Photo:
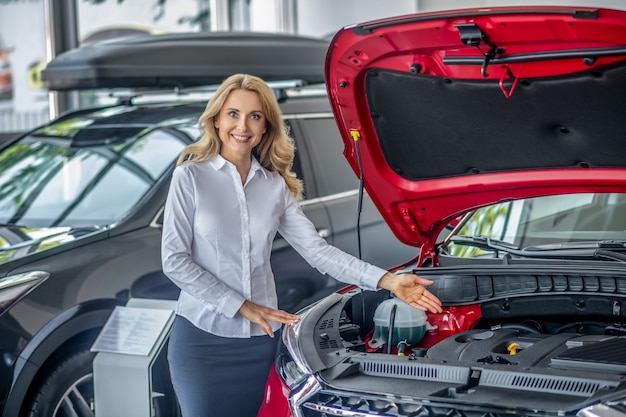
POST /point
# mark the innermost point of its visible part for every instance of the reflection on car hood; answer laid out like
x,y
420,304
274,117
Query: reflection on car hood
x,y
450,111
17,242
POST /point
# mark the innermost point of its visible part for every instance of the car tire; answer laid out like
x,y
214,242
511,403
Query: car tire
x,y
69,385
68,390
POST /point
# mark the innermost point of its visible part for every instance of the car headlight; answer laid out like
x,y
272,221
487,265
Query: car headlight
x,y
13,287
290,364
614,409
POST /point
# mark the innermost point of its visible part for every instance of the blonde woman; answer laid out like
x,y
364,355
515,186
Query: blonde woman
x,y
231,192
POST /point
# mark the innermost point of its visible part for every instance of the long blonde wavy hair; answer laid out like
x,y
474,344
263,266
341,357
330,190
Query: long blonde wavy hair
x,y
275,151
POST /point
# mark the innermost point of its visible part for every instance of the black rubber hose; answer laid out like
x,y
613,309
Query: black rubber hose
x,y
520,326
392,323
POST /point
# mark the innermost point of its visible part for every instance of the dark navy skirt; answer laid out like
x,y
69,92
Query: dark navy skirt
x,y
217,376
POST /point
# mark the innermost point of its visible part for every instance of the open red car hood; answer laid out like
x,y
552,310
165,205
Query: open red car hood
x,y
459,109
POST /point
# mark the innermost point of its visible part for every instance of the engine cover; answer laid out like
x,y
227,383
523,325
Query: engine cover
x,y
520,348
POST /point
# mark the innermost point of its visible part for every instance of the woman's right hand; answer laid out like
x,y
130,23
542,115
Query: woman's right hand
x,y
411,289
263,315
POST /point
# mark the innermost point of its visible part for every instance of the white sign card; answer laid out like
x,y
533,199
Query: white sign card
x,y
132,330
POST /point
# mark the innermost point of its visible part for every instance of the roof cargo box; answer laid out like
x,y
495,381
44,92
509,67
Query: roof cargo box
x,y
186,60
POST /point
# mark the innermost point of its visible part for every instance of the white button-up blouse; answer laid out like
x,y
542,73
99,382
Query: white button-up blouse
x,y
217,241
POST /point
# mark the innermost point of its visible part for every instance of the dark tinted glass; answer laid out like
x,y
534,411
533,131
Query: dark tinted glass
x,y
45,181
547,220
333,174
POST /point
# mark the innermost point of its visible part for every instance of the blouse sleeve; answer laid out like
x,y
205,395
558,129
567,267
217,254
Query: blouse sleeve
x,y
301,234
176,250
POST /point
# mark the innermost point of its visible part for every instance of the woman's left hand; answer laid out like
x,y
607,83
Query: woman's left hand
x,y
262,316
411,289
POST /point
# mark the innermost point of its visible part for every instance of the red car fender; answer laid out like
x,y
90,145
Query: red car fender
x,y
275,402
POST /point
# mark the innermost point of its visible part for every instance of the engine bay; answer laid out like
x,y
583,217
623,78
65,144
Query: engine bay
x,y
549,362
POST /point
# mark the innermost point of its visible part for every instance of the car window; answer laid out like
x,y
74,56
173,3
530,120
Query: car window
x,y
62,185
323,141
154,153
45,181
297,164
546,220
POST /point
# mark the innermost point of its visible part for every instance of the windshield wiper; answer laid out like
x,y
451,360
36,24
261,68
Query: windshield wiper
x,y
599,249
13,225
486,243
592,244
603,249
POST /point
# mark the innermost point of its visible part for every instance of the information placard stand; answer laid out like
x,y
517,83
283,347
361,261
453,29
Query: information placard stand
x,y
127,347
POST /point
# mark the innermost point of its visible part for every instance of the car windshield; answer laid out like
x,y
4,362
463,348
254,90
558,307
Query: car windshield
x,y
70,174
541,224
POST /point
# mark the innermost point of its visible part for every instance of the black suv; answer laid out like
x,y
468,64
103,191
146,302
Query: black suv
x,y
81,203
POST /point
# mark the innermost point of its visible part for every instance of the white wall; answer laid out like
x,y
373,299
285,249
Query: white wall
x,y
133,13
324,17
22,28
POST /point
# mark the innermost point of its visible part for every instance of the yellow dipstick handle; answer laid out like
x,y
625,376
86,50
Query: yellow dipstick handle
x,y
512,348
355,134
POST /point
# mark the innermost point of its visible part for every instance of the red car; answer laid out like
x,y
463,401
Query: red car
x,y
493,141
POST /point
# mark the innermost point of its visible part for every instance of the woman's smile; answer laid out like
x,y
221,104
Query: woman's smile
x,y
241,138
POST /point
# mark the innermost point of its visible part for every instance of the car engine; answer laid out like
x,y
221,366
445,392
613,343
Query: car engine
x,y
536,366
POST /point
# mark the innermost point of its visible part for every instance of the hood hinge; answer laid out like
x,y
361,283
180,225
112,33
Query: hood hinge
x,y
409,220
427,251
